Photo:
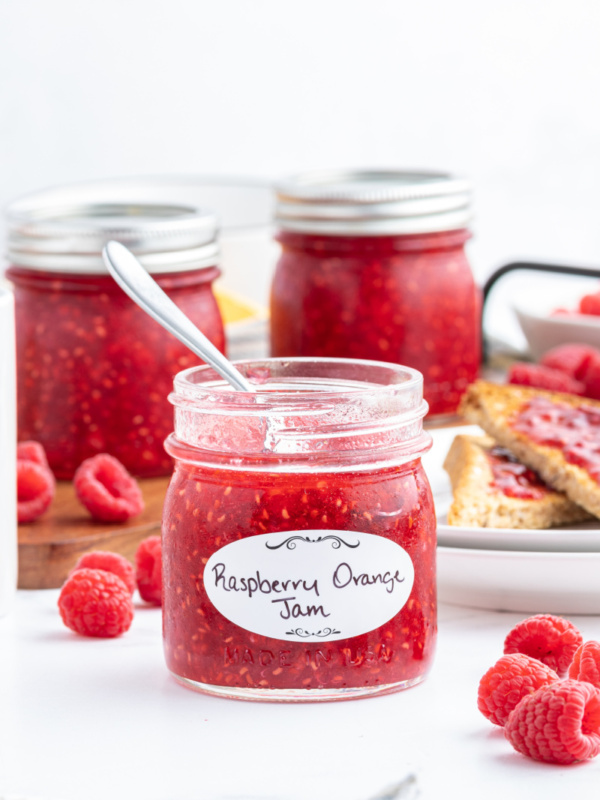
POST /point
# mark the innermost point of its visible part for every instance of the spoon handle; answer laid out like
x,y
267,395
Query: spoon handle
x,y
143,290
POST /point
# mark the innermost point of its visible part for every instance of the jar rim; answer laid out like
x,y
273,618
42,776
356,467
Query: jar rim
x,y
260,371
311,412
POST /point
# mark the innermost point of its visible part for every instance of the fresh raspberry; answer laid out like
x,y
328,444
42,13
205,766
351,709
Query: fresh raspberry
x,y
107,490
32,451
559,723
35,490
111,562
148,570
94,602
507,682
590,304
552,640
591,376
572,359
542,377
586,664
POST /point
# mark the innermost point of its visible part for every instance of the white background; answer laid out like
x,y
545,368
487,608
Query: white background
x,y
507,93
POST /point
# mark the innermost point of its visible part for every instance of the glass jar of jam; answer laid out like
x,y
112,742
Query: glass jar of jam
x,y
373,266
93,369
299,532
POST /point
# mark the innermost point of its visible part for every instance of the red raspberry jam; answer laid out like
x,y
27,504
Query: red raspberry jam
x,y
93,369
298,535
574,430
367,272
513,478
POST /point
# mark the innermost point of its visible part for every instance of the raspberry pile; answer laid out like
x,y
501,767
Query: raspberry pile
x,y
571,368
102,484
545,715
96,599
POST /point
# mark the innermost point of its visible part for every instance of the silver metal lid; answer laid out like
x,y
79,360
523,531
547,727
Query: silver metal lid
x,y
373,202
64,230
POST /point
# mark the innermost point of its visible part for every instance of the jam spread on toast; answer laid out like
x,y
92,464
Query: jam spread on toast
x,y
574,430
513,478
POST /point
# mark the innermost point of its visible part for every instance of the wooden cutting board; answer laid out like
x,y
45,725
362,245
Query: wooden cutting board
x,y
50,546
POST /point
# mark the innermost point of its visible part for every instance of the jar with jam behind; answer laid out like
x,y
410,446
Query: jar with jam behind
x,y
93,369
373,266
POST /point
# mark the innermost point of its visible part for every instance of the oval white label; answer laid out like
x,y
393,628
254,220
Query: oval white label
x,y
310,585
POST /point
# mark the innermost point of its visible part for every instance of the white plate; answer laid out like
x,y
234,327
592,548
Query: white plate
x,y
532,583
584,537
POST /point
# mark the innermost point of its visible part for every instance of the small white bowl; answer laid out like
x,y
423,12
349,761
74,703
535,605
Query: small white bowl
x,y
545,331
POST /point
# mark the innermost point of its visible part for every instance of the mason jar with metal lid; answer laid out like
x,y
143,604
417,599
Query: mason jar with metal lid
x,y
373,266
93,370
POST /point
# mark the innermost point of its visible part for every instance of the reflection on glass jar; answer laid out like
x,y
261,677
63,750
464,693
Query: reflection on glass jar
x,y
299,532
373,266
93,370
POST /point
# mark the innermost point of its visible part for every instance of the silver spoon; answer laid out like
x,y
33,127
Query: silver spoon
x,y
143,290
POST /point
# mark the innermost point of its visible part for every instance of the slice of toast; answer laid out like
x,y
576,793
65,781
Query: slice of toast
x,y
496,409
479,501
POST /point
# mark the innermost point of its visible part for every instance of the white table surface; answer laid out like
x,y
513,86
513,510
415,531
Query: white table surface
x,y
84,719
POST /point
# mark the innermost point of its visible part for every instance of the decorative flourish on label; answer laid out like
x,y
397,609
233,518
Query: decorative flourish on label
x,y
290,542
305,634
